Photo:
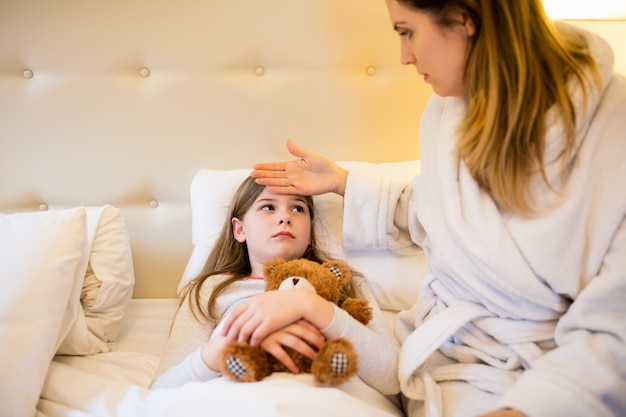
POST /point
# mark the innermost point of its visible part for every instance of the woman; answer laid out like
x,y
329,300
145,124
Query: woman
x,y
519,206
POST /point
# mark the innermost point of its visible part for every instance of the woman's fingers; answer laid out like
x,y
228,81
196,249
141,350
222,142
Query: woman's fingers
x,y
295,150
269,170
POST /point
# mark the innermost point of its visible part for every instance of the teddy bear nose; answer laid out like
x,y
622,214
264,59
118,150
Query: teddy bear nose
x,y
295,281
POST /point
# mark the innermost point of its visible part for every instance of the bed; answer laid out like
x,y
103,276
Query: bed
x,y
124,128
78,343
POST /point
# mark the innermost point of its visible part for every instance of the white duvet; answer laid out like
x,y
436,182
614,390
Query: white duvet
x,y
114,385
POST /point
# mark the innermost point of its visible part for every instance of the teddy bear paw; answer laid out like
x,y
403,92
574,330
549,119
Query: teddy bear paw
x,y
235,367
243,363
335,363
339,363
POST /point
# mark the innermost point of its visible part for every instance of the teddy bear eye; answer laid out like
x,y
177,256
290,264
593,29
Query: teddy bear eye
x,y
335,271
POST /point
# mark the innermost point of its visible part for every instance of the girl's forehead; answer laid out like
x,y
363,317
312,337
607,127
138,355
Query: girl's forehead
x,y
267,195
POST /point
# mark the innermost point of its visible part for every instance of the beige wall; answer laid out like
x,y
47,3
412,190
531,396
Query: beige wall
x,y
121,102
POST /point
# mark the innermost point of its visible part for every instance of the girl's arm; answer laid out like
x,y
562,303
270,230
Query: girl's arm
x,y
378,350
183,360
255,319
375,344
193,343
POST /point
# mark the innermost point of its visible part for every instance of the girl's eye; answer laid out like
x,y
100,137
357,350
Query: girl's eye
x,y
267,207
299,209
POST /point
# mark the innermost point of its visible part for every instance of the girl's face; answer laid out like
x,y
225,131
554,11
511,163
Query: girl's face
x,y
275,226
439,53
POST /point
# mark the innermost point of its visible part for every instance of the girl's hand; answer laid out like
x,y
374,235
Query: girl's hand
x,y
311,174
256,318
211,351
298,336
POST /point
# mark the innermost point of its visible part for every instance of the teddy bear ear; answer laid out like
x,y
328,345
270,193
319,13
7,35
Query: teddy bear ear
x,y
336,271
339,269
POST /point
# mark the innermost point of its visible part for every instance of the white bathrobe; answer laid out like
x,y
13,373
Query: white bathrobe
x,y
521,312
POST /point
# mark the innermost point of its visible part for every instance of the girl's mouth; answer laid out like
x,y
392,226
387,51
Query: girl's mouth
x,y
283,234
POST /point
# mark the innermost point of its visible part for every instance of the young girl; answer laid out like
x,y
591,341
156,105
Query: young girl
x,y
519,205
261,226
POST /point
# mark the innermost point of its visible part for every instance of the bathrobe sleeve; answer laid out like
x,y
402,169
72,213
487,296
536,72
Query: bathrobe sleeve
x,y
376,214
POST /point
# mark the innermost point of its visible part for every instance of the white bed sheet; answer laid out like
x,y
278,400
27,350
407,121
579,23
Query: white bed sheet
x,y
114,384
146,325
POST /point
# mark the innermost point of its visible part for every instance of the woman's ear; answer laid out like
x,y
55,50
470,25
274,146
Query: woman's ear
x,y
238,232
468,24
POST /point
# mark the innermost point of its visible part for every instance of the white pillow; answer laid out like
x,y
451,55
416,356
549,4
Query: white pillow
x,y
43,257
395,278
107,286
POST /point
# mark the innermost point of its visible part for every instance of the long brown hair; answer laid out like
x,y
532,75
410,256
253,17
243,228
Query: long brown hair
x,y
519,67
230,257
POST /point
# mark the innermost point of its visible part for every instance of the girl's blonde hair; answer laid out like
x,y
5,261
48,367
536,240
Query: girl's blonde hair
x,y
229,257
518,68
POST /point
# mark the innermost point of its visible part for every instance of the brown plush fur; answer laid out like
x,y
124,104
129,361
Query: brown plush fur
x,y
327,279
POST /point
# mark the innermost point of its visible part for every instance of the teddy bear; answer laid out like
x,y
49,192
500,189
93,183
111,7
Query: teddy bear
x,y
336,361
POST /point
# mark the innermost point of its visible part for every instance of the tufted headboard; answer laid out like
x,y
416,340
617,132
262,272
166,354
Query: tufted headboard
x,y
123,101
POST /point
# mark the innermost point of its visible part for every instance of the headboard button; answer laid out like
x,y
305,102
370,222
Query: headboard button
x,y
28,73
144,72
43,207
259,71
154,203
371,70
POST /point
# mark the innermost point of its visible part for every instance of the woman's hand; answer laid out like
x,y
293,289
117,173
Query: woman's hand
x,y
301,336
311,174
256,318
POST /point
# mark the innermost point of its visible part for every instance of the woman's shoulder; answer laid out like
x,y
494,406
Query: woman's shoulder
x,y
438,106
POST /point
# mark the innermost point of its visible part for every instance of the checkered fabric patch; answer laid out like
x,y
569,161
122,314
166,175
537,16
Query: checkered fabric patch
x,y
339,363
235,367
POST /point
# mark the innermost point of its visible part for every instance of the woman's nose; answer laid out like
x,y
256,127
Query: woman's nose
x,y
406,56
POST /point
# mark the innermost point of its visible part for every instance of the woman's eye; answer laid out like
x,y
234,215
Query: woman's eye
x,y
403,32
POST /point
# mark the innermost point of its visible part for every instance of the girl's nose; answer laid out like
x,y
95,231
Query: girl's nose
x,y
285,218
